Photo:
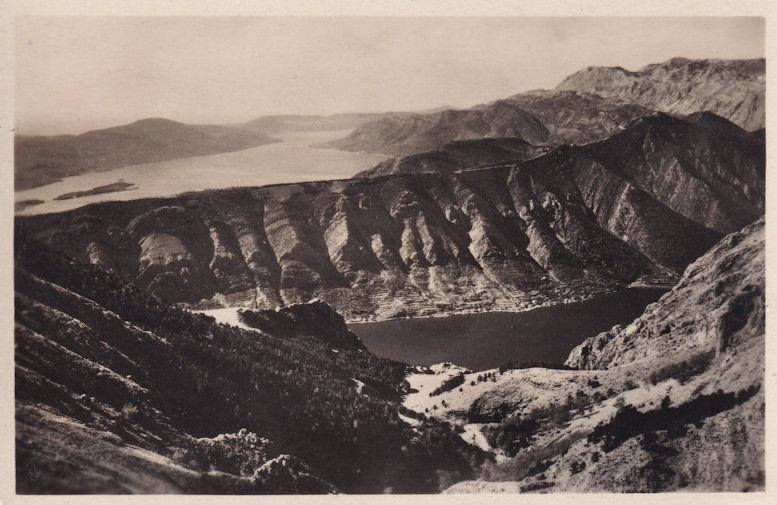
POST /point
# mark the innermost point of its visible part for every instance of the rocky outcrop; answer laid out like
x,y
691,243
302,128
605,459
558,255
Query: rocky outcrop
x,y
314,319
733,89
575,221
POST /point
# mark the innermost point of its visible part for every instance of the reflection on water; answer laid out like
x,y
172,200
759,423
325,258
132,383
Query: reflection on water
x,y
293,160
483,341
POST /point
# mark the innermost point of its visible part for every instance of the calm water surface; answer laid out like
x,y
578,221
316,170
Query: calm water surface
x,y
483,341
293,160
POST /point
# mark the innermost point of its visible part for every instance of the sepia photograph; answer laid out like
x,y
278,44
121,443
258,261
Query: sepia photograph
x,y
334,254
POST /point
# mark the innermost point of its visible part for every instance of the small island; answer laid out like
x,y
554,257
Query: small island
x,y
107,188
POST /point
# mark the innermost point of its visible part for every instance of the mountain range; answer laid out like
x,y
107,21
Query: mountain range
x,y
119,393
587,106
734,89
639,206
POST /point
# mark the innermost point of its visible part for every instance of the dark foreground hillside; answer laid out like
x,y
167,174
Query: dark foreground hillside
x,y
119,393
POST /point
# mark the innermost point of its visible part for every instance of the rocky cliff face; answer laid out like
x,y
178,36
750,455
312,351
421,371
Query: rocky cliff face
x,y
574,222
734,89
727,282
672,401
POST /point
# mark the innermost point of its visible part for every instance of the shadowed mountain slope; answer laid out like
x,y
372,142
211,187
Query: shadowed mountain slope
x,y
119,393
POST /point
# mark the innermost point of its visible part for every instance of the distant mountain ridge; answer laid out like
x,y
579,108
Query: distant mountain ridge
x,y
286,123
587,106
43,160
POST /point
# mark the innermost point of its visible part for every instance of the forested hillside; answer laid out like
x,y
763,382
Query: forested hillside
x,y
173,401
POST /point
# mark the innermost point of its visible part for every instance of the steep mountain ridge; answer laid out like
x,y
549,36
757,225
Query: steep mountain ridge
x,y
734,89
43,160
572,223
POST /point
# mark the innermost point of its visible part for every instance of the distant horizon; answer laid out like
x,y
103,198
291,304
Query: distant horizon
x,y
234,70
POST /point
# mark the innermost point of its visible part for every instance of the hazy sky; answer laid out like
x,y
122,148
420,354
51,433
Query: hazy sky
x,y
79,73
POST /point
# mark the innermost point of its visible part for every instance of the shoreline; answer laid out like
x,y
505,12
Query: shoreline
x,y
462,312
664,287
